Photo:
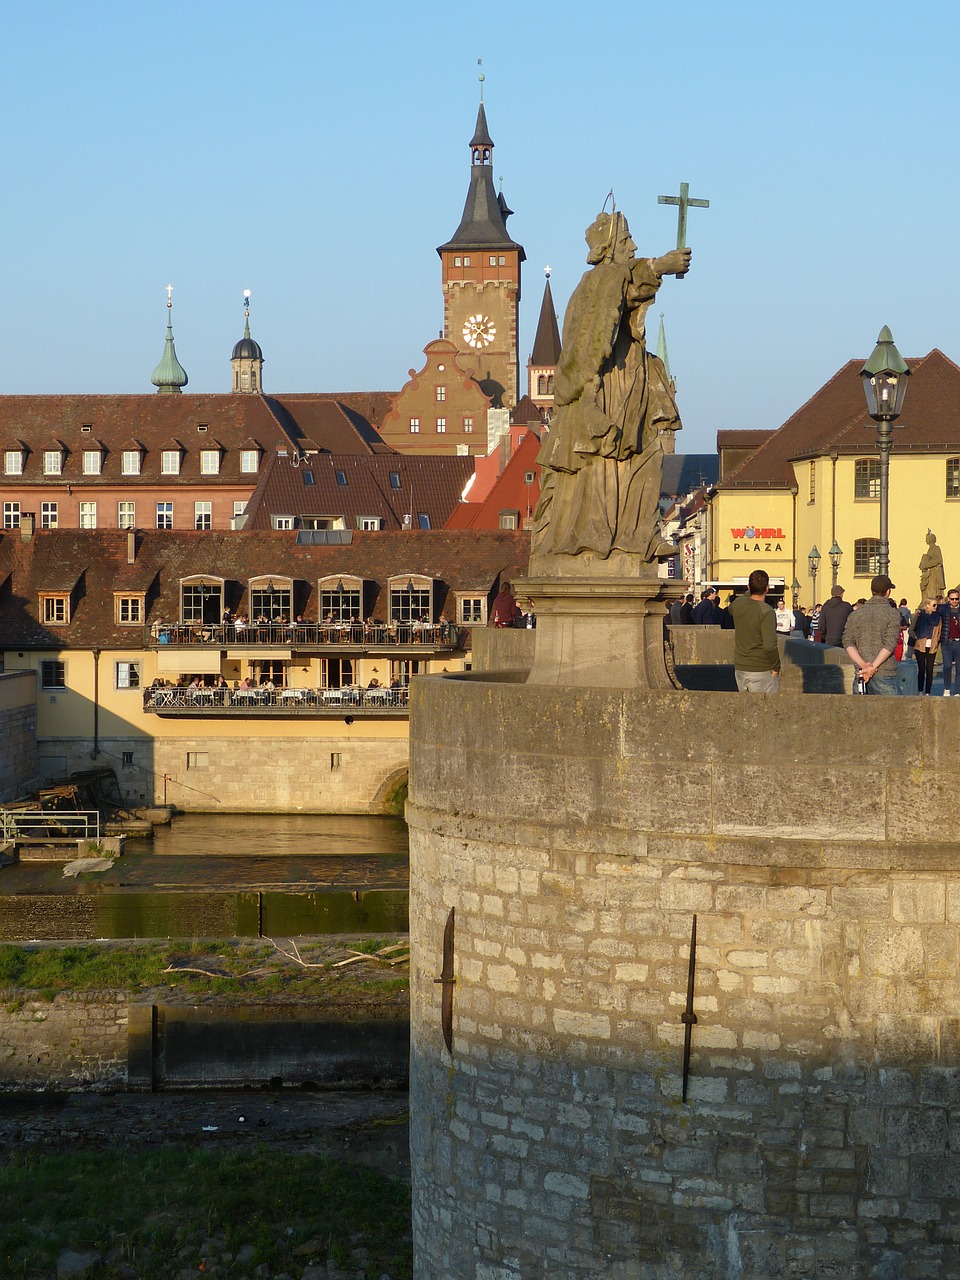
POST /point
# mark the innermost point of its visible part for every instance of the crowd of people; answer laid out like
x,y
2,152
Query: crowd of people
x,y
877,633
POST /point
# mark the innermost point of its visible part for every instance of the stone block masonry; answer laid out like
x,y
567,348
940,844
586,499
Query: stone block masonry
x,y
206,773
101,1042
19,760
576,833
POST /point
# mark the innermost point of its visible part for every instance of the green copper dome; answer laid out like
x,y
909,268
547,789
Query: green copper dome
x,y
169,375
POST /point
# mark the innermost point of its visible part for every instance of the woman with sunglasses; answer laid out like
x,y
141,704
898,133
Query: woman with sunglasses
x,y
927,626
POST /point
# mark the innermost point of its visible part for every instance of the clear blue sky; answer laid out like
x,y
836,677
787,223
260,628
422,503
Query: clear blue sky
x,y
317,154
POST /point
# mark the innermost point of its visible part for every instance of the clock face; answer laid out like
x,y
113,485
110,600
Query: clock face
x,y
479,331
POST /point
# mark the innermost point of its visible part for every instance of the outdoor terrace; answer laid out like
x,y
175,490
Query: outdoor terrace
x,y
170,701
305,636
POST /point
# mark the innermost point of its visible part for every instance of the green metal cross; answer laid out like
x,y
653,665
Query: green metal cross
x,y
684,201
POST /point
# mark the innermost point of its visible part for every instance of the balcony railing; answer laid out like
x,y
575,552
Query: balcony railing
x,y
312,702
304,635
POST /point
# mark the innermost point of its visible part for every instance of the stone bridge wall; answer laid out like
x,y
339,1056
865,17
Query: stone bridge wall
x,y
577,834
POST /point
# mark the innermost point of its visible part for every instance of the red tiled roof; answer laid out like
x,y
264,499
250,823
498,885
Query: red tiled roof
x,y
93,565
153,423
510,492
372,405
190,423
427,485
742,438
836,418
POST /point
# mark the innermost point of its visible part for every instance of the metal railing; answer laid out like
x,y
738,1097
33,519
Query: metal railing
x,y
49,824
300,635
259,699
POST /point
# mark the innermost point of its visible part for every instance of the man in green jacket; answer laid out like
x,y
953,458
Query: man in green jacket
x,y
756,655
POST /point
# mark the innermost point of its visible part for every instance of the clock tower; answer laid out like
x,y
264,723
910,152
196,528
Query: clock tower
x,y
481,280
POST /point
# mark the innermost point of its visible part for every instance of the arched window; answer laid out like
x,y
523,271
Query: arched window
x,y
866,557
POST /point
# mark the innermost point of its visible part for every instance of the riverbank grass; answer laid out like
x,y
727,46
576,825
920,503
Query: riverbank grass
x,y
154,1214
312,969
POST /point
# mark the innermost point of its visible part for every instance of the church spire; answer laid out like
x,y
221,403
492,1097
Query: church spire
x,y
542,365
247,358
662,353
546,345
668,437
169,377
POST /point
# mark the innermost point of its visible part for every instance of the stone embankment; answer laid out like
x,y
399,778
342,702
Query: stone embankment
x,y
101,1041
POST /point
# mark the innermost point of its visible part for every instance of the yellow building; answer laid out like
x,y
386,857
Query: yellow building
x,y
246,671
815,483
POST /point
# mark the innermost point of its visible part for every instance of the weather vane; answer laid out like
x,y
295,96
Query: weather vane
x,y
481,77
246,303
169,296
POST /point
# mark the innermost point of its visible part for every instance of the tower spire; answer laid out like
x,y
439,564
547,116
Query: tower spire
x,y
169,377
542,365
247,358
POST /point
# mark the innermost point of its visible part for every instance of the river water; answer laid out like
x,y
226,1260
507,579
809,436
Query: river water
x,y
233,874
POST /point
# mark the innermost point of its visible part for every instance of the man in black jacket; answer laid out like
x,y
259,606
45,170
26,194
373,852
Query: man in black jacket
x,y
833,618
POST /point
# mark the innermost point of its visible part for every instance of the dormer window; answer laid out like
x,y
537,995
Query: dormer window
x,y
341,599
92,462
209,462
53,462
13,462
271,598
55,608
411,599
170,462
130,462
128,609
249,461
201,599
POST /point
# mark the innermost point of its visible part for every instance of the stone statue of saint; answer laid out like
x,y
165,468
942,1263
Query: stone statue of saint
x,y
932,580
602,460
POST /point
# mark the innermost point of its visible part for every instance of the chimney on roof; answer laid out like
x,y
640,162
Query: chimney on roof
x,y
27,522
131,546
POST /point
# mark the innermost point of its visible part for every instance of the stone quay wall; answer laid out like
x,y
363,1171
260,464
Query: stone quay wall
x,y
203,773
69,1043
19,764
100,1041
577,833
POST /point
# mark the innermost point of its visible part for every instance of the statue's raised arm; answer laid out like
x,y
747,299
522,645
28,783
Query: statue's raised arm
x,y
602,460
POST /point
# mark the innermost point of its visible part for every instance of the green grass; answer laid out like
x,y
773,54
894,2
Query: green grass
x,y
251,970
173,1208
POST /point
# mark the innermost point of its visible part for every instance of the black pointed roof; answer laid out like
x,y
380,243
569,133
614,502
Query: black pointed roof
x,y
481,135
483,223
546,345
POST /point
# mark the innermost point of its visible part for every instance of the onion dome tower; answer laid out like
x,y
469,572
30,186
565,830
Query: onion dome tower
x,y
247,358
169,377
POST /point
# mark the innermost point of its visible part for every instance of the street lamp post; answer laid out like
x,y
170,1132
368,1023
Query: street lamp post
x,y
836,555
795,588
885,385
813,564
